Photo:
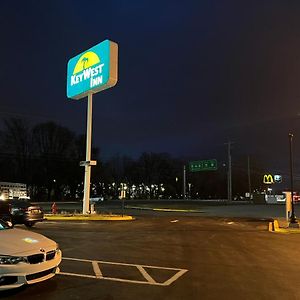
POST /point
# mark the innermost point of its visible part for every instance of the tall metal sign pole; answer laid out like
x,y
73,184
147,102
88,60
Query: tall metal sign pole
x,y
87,171
202,165
89,72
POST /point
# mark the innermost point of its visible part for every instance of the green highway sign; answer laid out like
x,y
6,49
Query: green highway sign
x,y
203,165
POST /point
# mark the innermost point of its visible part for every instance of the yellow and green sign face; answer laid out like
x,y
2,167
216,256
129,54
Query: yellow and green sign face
x,y
92,71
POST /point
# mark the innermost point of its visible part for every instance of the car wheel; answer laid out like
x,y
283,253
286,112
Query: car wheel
x,y
29,224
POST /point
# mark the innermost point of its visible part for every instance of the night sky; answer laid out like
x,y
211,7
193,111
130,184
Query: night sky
x,y
192,74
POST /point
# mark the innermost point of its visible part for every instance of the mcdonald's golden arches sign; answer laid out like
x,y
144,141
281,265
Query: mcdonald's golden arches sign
x,y
268,179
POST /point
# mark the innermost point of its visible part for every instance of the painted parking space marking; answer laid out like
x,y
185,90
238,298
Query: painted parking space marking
x,y
145,274
97,270
165,209
176,273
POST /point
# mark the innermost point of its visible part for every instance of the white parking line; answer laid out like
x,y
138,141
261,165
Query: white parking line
x,y
77,275
97,270
145,274
175,277
141,268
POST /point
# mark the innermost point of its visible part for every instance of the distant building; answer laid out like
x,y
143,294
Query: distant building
x,y
10,190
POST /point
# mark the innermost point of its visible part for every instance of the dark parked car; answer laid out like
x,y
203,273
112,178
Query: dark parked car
x,y
23,212
5,211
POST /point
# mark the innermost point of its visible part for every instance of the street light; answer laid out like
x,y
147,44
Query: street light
x,y
293,219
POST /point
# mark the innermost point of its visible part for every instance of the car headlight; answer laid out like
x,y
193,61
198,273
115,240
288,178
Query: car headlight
x,y
11,260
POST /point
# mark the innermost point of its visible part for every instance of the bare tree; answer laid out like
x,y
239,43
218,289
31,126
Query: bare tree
x,y
17,145
54,146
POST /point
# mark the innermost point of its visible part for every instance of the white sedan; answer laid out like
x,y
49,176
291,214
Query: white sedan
x,y
26,257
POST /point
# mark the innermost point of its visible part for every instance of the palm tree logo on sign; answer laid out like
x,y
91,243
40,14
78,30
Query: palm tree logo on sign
x,y
87,60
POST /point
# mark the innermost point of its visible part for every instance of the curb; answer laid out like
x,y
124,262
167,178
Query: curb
x,y
88,218
274,227
271,226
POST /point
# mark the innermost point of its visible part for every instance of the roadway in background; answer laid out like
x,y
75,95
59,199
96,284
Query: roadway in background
x,y
179,207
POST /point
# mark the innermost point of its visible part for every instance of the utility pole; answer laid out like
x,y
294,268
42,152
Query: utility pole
x,y
293,220
184,182
229,177
249,178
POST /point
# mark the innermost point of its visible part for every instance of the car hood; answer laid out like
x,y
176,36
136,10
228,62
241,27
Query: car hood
x,y
23,242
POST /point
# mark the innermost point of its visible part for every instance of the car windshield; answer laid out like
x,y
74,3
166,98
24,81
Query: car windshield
x,y
4,226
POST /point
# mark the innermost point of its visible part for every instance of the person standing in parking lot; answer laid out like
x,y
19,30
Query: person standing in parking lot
x,y
54,208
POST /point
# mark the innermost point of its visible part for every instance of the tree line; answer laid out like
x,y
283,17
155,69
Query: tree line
x,y
46,157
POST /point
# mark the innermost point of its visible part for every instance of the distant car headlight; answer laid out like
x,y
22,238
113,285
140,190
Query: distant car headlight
x,y
11,260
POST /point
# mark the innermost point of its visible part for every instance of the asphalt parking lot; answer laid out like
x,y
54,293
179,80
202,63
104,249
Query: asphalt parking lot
x,y
169,258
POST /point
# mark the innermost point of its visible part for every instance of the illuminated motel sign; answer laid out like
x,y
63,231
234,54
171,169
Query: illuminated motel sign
x,y
89,72
93,70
